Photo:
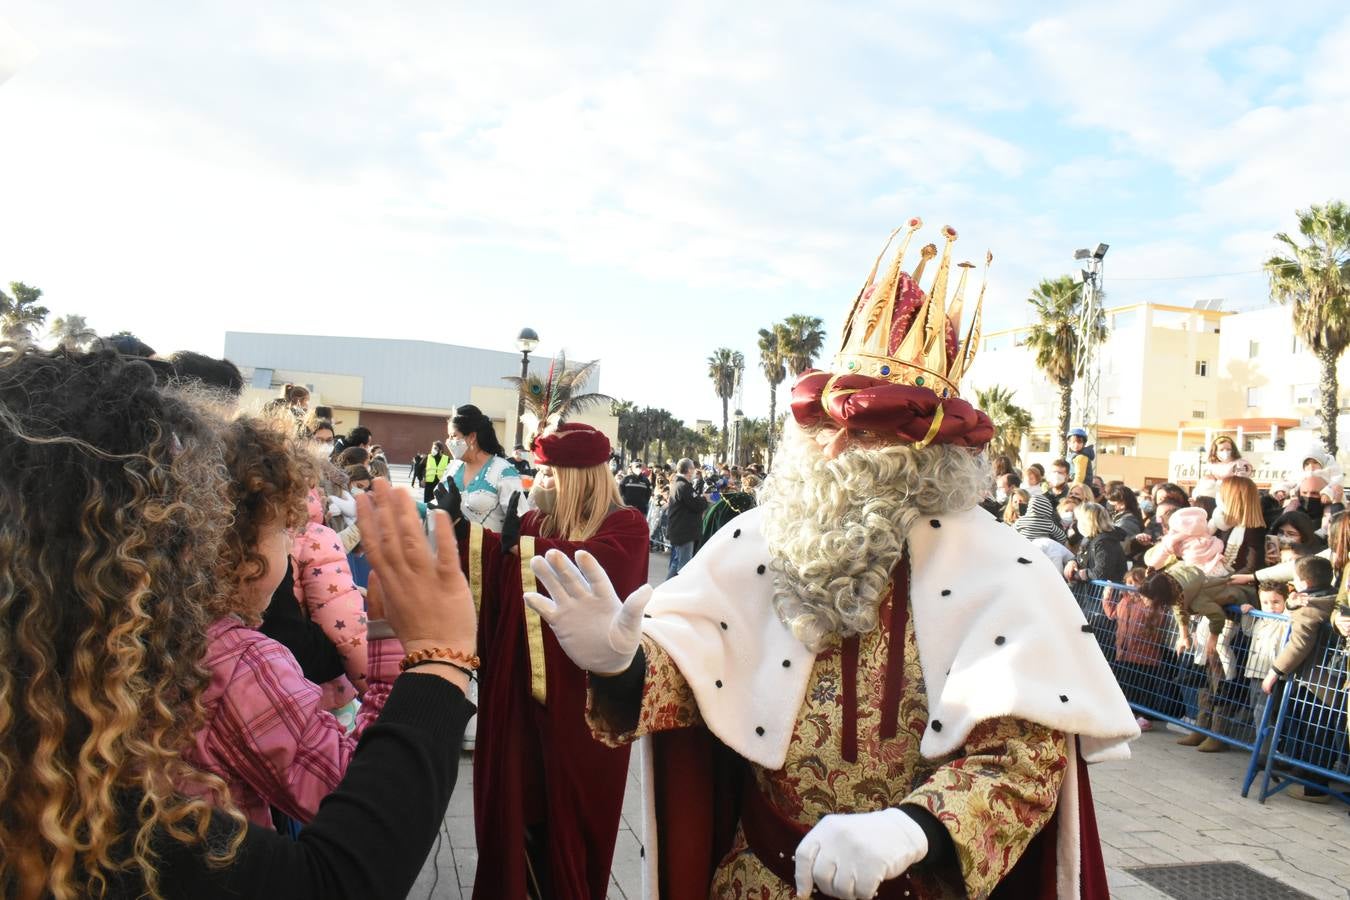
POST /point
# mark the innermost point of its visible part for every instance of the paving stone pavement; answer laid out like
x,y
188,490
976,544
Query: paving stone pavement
x,y
1167,804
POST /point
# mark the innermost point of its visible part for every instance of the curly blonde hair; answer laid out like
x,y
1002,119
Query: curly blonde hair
x,y
111,501
269,478
836,528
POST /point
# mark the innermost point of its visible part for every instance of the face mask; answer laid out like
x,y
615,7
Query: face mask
x,y
544,496
1056,479
1312,507
1146,507
458,447
1225,454
1001,496
1066,518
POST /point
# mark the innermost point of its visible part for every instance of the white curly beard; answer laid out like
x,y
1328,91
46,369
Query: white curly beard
x,y
836,528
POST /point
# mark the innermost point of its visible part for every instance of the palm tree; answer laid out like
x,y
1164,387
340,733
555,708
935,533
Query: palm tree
x,y
20,314
724,368
548,402
1314,279
690,443
805,338
72,332
753,441
626,412
1011,421
772,360
1055,339
711,437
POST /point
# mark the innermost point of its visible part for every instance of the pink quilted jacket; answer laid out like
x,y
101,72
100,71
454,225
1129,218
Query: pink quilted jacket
x,y
324,588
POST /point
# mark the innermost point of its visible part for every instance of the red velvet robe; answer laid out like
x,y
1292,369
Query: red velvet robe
x,y
536,762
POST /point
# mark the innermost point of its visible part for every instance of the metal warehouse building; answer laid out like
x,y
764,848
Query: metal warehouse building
x,y
403,391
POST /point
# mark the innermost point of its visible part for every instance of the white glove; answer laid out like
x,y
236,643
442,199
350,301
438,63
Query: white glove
x,y
850,855
598,632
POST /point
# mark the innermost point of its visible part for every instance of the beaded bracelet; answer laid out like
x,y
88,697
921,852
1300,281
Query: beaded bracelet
x,y
443,662
441,653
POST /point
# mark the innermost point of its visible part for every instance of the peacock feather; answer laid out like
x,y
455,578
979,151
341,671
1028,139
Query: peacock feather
x,y
550,401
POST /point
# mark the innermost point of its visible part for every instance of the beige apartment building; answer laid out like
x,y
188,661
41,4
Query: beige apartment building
x,y
1173,378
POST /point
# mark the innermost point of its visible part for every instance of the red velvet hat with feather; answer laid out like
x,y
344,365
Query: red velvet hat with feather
x,y
896,376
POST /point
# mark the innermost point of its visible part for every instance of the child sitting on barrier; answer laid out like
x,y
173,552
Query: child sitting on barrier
x,y
1141,636
1315,729
1265,635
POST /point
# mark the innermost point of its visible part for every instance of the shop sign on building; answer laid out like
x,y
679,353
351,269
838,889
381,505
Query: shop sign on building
x,y
1185,467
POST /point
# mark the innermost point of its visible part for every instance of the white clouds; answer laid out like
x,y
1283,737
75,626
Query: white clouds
x,y
16,50
314,166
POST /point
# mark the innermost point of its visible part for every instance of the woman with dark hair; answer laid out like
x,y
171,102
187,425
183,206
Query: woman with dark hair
x,y
1167,492
1294,526
110,576
1125,514
480,470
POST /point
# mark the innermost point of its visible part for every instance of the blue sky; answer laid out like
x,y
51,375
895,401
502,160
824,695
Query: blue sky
x,y
641,184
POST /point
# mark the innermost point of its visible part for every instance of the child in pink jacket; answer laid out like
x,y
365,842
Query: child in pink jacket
x,y
325,590
268,732
1189,539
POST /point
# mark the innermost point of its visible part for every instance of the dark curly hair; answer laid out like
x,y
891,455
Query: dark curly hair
x,y
112,498
268,482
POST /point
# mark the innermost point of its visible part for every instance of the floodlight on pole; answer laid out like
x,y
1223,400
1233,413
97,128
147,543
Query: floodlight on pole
x,y
1087,363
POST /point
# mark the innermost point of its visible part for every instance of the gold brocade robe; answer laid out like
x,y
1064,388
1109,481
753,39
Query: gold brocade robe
x,y
992,797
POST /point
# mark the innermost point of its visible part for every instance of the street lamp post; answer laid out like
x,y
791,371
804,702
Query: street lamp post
x,y
736,445
526,341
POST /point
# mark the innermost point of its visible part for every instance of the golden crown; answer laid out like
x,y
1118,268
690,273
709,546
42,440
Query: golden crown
x,y
898,332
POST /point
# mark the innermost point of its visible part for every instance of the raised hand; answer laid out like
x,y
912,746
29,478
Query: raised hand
x,y
446,496
425,597
596,630
850,855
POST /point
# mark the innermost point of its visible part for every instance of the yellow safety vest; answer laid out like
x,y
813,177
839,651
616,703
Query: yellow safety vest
x,y
436,471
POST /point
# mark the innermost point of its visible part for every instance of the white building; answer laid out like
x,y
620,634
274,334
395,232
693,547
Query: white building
x,y
1173,378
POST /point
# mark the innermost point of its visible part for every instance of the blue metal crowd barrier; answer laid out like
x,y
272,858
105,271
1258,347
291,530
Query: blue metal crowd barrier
x,y
1222,697
1309,735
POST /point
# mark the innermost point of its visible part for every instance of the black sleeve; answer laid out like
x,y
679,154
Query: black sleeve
x,y
372,835
941,850
618,698
285,623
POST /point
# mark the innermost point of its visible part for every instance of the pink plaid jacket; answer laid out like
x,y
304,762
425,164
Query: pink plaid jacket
x,y
268,733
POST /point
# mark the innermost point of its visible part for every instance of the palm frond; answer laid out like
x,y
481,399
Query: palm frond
x,y
551,400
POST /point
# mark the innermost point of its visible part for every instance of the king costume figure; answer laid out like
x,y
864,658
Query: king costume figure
x,y
866,686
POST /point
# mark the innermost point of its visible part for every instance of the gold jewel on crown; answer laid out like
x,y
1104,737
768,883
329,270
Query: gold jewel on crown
x,y
898,332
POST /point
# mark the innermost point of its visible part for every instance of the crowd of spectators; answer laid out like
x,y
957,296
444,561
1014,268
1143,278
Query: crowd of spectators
x,y
1202,559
